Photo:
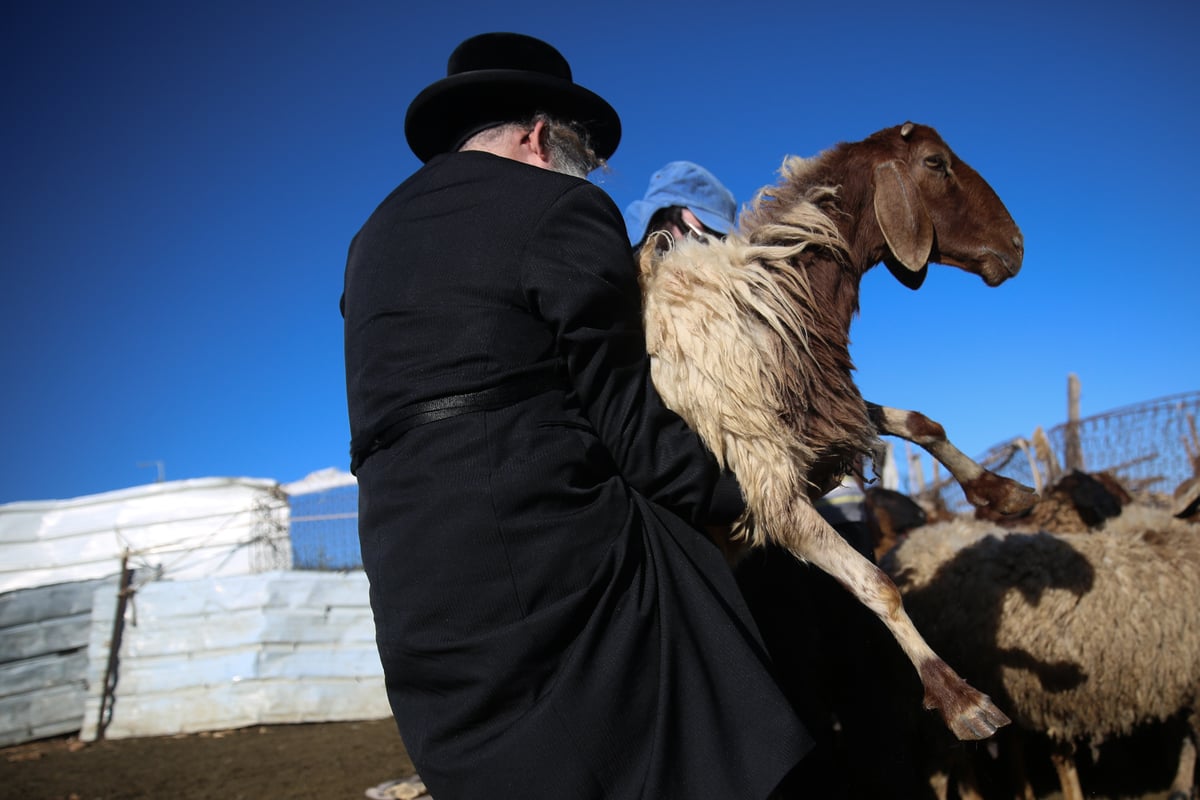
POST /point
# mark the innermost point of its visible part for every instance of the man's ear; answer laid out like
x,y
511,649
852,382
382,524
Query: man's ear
x,y
535,143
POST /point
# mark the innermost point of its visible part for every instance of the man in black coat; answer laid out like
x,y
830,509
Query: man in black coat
x,y
551,620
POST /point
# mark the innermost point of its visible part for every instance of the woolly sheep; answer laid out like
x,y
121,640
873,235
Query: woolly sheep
x,y
1082,636
749,338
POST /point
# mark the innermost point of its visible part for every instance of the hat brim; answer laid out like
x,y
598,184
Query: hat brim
x,y
445,111
712,220
639,213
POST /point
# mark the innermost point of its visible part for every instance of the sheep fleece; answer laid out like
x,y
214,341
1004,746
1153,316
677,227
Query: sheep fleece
x,y
1073,634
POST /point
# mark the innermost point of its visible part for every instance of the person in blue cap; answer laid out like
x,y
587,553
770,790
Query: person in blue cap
x,y
683,199
551,620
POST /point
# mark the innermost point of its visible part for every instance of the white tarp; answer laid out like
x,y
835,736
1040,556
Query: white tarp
x,y
319,481
231,652
218,633
182,529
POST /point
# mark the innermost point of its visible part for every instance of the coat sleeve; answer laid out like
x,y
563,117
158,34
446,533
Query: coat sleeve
x,y
580,278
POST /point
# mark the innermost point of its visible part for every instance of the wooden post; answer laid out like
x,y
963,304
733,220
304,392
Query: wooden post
x,y
916,473
108,690
1072,449
1045,454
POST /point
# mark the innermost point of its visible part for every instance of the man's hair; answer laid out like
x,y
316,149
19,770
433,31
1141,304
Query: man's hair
x,y
567,143
570,147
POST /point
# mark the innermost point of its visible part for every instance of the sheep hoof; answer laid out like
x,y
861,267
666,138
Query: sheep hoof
x,y
968,713
979,722
1000,495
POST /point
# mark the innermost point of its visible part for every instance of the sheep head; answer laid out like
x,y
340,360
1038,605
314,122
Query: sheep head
x,y
932,207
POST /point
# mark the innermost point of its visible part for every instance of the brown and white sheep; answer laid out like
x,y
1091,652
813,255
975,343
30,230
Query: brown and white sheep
x,y
749,343
1075,502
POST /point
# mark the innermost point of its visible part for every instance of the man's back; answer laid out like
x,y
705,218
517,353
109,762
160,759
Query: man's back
x,y
436,299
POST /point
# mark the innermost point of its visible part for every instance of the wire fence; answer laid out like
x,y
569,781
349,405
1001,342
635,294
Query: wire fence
x,y
270,538
1150,447
324,529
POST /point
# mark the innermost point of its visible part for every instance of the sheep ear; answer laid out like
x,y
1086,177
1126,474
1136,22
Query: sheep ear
x,y
902,217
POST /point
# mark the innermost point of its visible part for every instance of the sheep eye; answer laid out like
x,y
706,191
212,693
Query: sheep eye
x,y
937,163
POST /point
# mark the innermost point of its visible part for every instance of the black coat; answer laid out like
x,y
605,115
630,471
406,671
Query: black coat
x,y
551,622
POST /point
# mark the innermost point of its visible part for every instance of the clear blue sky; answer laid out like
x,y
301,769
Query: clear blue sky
x,y
182,181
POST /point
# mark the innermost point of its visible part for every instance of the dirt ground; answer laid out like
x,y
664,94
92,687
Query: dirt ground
x,y
332,761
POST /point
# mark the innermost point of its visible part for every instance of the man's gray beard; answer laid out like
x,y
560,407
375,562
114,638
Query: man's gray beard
x,y
569,154
568,160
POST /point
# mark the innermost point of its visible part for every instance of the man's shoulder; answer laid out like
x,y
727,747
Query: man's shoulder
x,y
472,166
475,183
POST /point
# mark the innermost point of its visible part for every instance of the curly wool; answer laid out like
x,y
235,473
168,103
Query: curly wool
x,y
1081,636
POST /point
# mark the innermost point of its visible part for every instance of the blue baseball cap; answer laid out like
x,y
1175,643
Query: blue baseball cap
x,y
682,183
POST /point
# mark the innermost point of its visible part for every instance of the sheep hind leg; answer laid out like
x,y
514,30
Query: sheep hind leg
x,y
967,712
1068,776
1183,785
982,487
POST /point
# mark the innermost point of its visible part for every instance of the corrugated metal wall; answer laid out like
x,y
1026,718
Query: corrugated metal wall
x,y
272,648
44,634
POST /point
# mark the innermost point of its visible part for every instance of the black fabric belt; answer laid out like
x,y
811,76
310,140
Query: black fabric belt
x,y
403,419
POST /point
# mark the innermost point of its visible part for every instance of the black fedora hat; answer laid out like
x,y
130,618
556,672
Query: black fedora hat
x,y
504,77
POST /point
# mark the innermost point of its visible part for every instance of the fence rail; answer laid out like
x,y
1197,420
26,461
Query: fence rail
x,y
1150,447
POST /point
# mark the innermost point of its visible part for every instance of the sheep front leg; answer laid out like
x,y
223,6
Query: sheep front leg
x,y
982,487
967,712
